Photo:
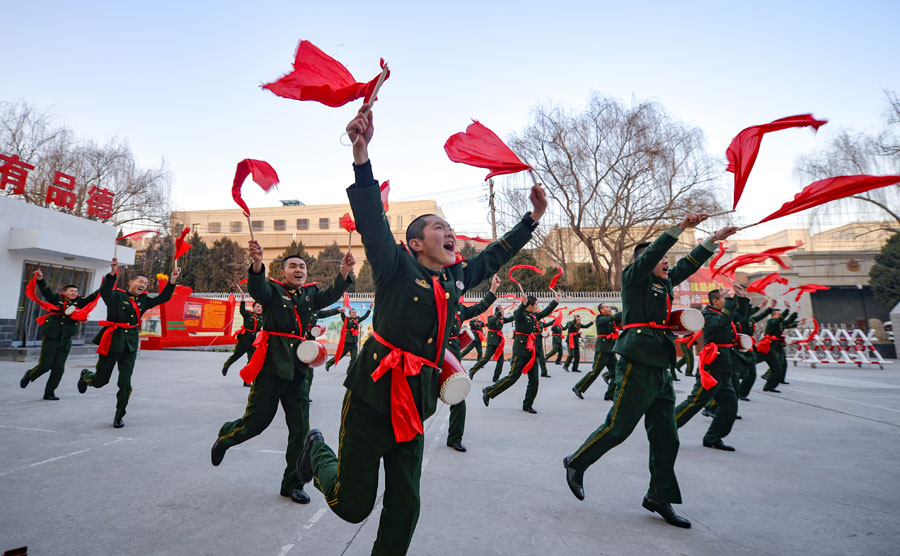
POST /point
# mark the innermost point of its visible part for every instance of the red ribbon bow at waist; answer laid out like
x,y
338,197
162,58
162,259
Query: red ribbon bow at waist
x,y
529,345
613,336
649,325
261,343
106,338
500,347
708,354
572,338
765,345
405,417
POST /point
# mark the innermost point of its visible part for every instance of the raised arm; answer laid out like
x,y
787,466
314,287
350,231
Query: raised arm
x,y
325,313
49,295
760,316
509,319
368,312
243,309
588,325
547,310
466,313
85,299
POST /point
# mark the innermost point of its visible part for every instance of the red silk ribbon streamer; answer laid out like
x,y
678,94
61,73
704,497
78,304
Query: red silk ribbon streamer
x,y
582,309
319,77
480,147
263,174
812,334
106,338
806,288
715,260
744,147
556,277
529,345
526,266
32,295
774,253
759,286
139,235
830,189
261,343
707,355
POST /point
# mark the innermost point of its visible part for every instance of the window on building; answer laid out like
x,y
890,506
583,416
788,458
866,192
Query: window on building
x,y
400,221
280,225
323,223
257,225
235,226
303,223
215,227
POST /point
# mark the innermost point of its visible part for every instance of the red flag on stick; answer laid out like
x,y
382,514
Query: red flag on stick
x,y
759,286
181,246
346,300
830,189
744,147
385,191
319,77
263,174
806,288
480,147
347,223
139,235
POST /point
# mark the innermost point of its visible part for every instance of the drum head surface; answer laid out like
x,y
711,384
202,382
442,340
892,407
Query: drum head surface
x,y
308,351
455,388
692,320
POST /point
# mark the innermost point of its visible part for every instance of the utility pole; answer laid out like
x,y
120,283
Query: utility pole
x,y
493,212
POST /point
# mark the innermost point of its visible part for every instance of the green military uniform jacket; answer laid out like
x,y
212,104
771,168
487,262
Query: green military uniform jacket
x,y
776,327
466,313
573,327
527,324
407,308
648,298
495,328
606,326
120,308
59,324
352,331
718,328
252,322
287,310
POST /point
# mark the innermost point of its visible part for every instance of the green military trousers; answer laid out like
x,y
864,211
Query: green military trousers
x,y
124,360
54,352
476,345
539,358
488,353
531,390
641,391
349,347
556,350
725,398
777,361
749,374
601,360
457,423
262,404
573,358
240,349
349,480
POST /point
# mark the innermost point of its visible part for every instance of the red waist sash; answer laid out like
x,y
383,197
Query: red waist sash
x,y
405,417
708,354
261,343
529,345
106,338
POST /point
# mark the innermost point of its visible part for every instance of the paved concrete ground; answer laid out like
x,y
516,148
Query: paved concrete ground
x,y
817,471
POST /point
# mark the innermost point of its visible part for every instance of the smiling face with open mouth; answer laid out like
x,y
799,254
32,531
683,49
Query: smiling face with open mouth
x,y
293,271
437,247
138,285
662,268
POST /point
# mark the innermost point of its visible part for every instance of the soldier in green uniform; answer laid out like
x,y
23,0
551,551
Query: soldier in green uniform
x,y
57,328
477,328
393,385
748,359
719,334
774,338
288,306
556,331
495,342
539,347
643,383
573,342
458,411
120,337
351,336
606,323
523,353
246,334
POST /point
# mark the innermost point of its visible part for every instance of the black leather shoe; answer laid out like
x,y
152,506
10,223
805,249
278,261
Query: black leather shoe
x,y
296,495
26,378
247,385
118,423
771,390
50,397
689,373
719,445
485,398
738,417
529,410
458,446
82,385
575,479
578,392
224,371
607,398
565,368
676,379
667,512
744,398
217,454
304,464
783,382
545,376
708,412
575,371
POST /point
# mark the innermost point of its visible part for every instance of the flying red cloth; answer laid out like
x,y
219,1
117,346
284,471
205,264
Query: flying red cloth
x,y
181,246
472,238
557,320
806,288
556,277
582,309
715,260
319,77
263,174
812,335
759,286
385,191
528,266
347,223
80,315
346,300
751,258
139,235
830,189
243,281
744,147
481,147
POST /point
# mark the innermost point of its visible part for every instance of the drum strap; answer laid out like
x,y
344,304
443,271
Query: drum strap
x,y
261,343
405,418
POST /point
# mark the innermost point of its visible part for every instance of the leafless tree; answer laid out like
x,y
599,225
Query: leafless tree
x,y
617,175
141,195
852,152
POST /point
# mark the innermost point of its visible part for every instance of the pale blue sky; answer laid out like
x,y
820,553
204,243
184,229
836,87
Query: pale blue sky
x,y
180,81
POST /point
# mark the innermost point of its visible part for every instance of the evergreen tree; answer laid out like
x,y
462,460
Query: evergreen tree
x,y
295,248
228,263
155,259
326,266
884,277
365,282
195,264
